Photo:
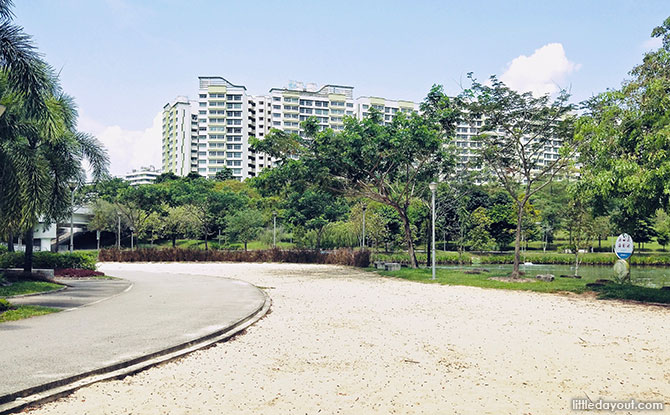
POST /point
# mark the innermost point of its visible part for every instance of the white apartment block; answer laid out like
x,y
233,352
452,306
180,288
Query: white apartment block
x,y
180,135
143,175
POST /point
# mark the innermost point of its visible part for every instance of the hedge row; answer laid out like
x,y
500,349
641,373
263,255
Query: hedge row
x,y
51,260
337,257
452,258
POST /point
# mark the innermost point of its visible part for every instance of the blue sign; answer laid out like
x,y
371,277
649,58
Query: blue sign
x,y
624,245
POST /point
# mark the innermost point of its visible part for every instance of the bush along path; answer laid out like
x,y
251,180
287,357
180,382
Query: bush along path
x,y
357,258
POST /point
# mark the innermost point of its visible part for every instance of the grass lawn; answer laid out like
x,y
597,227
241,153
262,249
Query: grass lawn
x,y
458,277
28,287
26,311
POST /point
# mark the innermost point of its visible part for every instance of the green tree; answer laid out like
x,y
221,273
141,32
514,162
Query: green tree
x,y
313,209
625,152
223,175
581,223
662,227
516,128
244,225
166,177
178,221
40,156
478,236
602,228
26,74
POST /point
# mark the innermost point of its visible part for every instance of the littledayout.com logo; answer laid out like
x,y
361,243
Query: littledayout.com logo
x,y
586,404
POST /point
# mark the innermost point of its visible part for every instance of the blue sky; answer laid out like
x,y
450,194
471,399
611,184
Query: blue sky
x,y
123,60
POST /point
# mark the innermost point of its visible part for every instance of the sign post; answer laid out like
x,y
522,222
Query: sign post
x,y
623,248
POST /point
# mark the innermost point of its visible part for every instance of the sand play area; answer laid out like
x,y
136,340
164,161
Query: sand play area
x,y
344,341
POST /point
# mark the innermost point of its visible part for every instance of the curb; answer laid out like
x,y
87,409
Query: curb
x,y
53,390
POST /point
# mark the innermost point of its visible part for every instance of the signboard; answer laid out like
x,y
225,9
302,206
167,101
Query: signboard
x,y
623,248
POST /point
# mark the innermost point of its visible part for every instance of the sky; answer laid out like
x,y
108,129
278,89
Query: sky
x,y
122,60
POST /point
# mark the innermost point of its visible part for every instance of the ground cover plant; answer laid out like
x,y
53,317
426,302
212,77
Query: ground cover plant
x,y
27,287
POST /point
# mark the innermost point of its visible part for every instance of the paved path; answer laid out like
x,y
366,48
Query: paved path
x,y
158,311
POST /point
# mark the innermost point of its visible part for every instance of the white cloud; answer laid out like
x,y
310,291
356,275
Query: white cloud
x,y
543,72
652,43
127,149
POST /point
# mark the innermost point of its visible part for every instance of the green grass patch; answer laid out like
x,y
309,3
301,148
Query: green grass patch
x,y
483,280
26,311
28,287
458,277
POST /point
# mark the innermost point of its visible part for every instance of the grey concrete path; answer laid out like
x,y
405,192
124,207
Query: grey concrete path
x,y
159,311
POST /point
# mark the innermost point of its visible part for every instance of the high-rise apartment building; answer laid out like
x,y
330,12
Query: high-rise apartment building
x,y
180,136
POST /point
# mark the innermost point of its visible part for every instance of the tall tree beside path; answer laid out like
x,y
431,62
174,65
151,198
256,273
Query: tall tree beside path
x,y
515,130
40,158
626,134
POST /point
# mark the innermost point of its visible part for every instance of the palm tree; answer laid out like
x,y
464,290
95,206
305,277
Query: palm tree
x,y
40,155
27,73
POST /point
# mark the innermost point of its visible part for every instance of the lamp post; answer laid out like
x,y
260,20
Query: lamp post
x,y
118,232
365,207
274,229
73,187
131,238
433,188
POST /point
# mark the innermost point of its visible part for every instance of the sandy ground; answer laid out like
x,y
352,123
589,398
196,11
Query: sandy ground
x,y
342,341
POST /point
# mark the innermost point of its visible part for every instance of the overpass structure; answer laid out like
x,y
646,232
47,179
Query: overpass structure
x,y
51,235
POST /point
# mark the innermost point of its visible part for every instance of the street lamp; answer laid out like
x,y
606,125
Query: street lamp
x,y
433,188
274,229
73,187
118,232
365,207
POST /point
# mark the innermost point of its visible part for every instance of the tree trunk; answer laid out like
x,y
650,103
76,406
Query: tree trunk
x,y
245,246
408,236
174,241
206,246
576,260
517,241
599,246
28,258
10,242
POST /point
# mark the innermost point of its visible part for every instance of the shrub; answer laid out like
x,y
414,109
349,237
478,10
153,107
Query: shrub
x,y
3,249
76,273
298,256
5,305
51,260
